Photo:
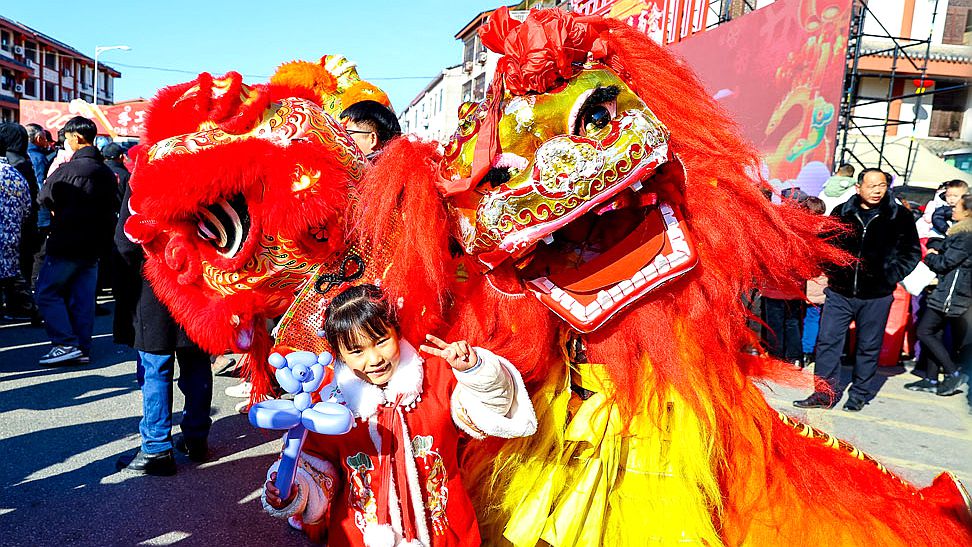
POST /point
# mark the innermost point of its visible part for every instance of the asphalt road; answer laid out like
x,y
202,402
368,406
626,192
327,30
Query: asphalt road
x,y
62,429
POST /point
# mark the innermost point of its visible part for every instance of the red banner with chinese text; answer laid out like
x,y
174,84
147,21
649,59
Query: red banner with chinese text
x,y
117,120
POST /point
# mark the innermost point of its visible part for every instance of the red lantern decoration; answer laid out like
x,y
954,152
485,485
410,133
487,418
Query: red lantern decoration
x,y
922,85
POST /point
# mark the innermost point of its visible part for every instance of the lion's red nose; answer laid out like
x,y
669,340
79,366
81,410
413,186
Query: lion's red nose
x,y
183,258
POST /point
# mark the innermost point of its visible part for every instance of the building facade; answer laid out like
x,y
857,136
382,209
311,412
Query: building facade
x,y
35,66
937,113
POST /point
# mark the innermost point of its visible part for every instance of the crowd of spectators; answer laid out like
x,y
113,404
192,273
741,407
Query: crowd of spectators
x,y
923,258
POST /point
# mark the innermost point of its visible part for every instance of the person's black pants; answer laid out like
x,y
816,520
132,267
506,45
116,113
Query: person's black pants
x,y
784,319
871,317
931,333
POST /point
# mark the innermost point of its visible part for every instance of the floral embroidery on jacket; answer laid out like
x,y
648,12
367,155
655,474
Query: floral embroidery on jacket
x,y
435,485
361,498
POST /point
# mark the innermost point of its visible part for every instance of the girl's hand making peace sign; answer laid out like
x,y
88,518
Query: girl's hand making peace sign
x,y
460,355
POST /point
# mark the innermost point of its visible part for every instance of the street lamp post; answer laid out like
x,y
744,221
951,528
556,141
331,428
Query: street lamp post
x,y
98,51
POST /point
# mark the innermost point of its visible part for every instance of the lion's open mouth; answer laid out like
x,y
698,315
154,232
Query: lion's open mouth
x,y
610,257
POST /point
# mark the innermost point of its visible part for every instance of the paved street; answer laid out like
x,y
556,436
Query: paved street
x,y
61,430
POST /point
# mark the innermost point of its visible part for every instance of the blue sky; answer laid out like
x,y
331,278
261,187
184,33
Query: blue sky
x,y
387,39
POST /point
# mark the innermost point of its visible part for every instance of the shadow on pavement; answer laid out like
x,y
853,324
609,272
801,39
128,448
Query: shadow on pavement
x,y
203,504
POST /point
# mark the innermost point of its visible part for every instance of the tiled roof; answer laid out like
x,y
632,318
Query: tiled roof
x,y
881,47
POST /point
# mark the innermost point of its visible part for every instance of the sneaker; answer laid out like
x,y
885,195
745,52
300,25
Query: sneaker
x,y
160,465
854,405
952,384
196,449
817,400
59,354
925,384
240,391
809,359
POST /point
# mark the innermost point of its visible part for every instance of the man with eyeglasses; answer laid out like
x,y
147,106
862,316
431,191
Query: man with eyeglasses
x,y
371,125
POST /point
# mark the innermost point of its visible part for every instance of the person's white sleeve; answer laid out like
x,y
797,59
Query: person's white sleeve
x,y
491,400
314,482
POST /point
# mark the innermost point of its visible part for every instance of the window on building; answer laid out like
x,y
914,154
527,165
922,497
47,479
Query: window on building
x,y
30,87
479,89
65,95
440,101
50,91
469,49
467,92
88,98
7,80
947,112
6,40
67,66
30,50
957,22
50,59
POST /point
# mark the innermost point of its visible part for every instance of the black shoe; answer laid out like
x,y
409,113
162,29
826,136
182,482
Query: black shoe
x,y
817,400
196,449
161,464
952,384
809,359
854,405
924,384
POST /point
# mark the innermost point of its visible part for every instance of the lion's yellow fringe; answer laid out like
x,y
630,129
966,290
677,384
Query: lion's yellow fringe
x,y
598,482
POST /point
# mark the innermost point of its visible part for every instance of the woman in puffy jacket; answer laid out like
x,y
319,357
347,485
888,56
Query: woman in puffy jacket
x,y
951,300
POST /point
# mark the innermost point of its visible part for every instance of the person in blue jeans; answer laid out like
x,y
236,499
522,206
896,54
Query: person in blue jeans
x,y
83,203
161,343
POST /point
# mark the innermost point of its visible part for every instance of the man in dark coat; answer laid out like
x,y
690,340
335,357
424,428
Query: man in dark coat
x,y
83,204
160,341
882,237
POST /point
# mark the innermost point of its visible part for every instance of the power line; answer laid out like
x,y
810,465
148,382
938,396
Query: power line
x,y
258,76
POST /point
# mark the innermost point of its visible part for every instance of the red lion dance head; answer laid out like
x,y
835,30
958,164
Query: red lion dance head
x,y
240,194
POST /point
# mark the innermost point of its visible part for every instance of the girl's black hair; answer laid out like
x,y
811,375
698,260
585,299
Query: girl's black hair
x,y
356,312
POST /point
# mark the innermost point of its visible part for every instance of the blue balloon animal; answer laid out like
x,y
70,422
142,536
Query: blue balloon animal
x,y
299,373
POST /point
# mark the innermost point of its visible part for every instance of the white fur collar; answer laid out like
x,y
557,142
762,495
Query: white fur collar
x,y
363,398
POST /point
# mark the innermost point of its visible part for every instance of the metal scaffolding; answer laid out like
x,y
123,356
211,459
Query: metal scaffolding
x,y
910,55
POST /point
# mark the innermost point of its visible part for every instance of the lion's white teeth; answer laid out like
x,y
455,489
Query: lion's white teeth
x,y
548,240
636,186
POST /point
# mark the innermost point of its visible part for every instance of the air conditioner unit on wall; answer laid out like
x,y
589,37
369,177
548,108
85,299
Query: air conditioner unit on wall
x,y
19,88
467,66
482,57
18,50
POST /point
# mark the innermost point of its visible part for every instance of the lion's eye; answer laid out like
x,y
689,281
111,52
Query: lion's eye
x,y
594,110
225,224
598,117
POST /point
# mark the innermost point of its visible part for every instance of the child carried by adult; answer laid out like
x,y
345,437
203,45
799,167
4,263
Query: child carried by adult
x,y
394,478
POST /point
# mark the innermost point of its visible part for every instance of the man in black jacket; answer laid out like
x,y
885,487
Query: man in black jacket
x,y
81,195
882,237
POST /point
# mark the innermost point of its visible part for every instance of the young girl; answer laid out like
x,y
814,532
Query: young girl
x,y
394,479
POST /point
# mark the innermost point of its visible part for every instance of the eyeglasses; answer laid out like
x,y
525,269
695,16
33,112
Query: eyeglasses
x,y
357,131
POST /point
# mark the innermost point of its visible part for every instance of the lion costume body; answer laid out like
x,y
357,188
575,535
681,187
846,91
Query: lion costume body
x,y
594,220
